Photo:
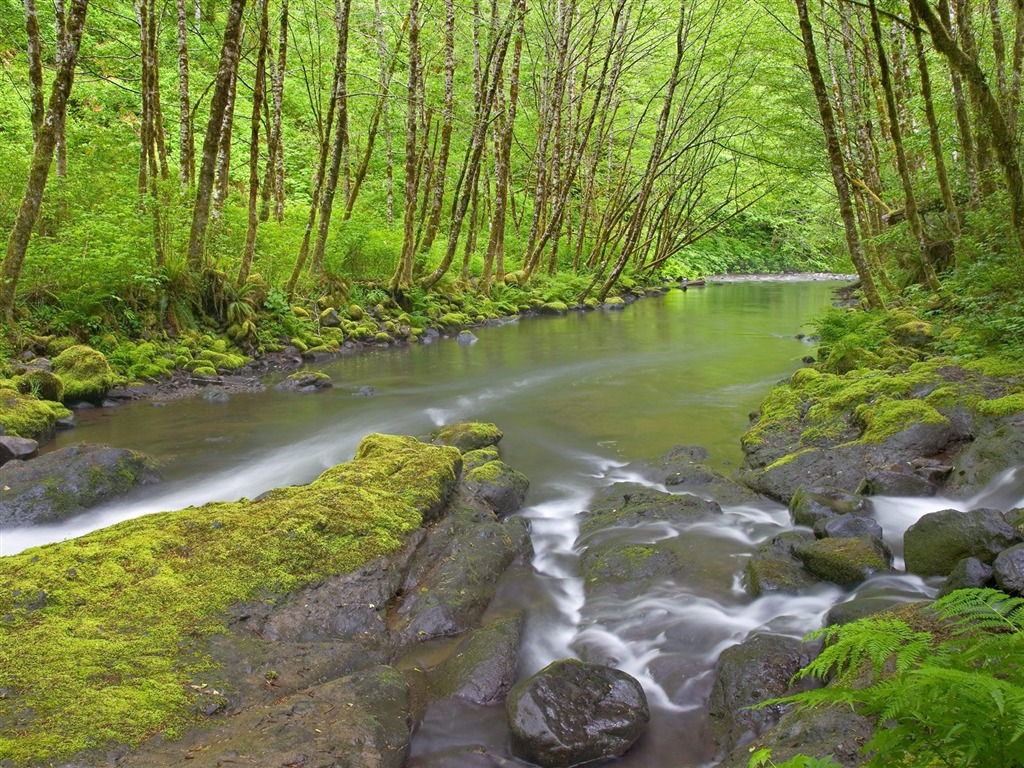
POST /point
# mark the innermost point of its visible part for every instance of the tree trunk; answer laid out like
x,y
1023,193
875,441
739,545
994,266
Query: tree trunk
x,y
836,159
186,143
35,67
229,56
273,186
896,132
258,90
60,24
401,281
963,121
340,140
42,157
222,184
447,118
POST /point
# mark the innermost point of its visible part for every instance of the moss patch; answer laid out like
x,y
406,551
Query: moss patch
x,y
25,416
91,645
467,435
1003,406
85,373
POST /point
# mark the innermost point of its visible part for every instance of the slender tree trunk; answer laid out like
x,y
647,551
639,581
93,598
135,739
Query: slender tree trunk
x,y
447,119
229,56
42,158
952,216
913,216
61,119
35,67
963,121
273,186
982,143
836,159
340,141
258,91
401,281
157,114
389,175
222,184
186,143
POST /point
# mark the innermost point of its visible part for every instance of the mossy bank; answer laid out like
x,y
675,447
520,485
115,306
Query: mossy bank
x,y
94,631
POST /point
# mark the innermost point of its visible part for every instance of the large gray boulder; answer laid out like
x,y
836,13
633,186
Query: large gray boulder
x,y
939,540
572,712
70,480
754,671
986,458
1008,569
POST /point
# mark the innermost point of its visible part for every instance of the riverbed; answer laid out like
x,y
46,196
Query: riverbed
x,y
578,398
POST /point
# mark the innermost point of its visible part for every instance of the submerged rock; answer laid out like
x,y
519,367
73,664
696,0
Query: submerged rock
x,y
627,504
304,382
572,712
685,468
70,480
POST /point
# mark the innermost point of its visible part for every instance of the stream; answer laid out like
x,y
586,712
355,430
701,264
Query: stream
x,y
578,398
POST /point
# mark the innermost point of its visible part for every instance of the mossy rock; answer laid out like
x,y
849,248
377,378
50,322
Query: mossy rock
x,y
615,302
355,312
25,416
41,384
306,381
85,373
205,371
96,629
453,320
483,667
473,459
502,487
846,562
629,504
467,435
223,361
554,308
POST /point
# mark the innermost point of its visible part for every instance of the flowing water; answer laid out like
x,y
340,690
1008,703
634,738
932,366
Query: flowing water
x,y
578,397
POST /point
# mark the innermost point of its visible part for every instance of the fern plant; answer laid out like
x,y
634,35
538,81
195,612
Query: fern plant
x,y
949,697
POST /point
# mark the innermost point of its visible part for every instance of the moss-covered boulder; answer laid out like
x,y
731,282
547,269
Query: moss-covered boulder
x,y
69,481
986,458
773,568
501,486
846,562
628,504
473,459
42,384
467,435
939,540
97,630
609,568
482,668
26,416
304,382
809,506
85,373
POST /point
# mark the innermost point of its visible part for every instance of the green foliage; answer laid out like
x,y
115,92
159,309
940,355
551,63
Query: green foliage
x,y
949,693
762,758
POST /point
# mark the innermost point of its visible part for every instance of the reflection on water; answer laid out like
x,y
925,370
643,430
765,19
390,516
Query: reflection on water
x,y
578,397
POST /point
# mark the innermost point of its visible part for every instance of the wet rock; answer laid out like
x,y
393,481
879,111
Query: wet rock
x,y
629,571
628,504
849,526
454,574
888,482
503,488
747,674
467,435
329,318
17,448
305,382
572,712
1008,569
483,668
774,569
685,468
846,562
466,338
986,458
216,396
859,608
478,458
365,720
364,392
834,732
811,505
935,543
968,573
68,481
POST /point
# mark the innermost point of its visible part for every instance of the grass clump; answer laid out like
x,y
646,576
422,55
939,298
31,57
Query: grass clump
x,y
91,648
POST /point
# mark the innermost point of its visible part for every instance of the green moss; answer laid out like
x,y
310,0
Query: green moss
x,y
453,319
309,376
204,370
780,408
559,307
473,459
998,367
300,312
25,416
225,361
467,435
85,373
41,384
788,458
382,338
887,417
355,312
101,661
1000,407
614,301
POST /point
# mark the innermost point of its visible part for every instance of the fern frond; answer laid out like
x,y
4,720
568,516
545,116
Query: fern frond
x,y
972,610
